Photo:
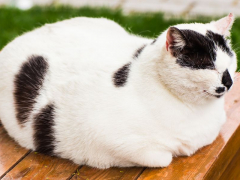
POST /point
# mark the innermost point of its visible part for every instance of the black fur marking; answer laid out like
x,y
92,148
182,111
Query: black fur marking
x,y
139,50
121,76
226,79
154,41
220,41
199,51
28,82
43,130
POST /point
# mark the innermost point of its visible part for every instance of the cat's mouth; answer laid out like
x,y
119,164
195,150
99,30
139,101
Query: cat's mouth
x,y
214,95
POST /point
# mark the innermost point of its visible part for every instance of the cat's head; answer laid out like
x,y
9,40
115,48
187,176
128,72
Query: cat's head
x,y
198,64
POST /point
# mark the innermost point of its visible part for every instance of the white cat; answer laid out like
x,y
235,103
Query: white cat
x,y
86,90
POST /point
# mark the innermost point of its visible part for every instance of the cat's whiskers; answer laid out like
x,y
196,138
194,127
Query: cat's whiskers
x,y
233,46
207,95
202,95
236,78
237,50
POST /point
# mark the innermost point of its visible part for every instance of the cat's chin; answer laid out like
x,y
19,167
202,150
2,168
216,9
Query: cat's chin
x,y
213,95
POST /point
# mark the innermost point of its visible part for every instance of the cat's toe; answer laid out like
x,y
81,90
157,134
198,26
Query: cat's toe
x,y
165,159
156,159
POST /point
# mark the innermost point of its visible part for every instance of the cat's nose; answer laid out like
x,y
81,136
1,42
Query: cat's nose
x,y
220,90
226,79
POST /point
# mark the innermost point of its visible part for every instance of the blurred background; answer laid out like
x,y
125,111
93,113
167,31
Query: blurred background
x,y
143,17
177,7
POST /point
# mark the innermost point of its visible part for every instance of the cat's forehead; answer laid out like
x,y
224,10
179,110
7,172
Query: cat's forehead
x,y
205,48
197,27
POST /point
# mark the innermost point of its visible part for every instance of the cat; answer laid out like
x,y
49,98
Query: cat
x,y
84,89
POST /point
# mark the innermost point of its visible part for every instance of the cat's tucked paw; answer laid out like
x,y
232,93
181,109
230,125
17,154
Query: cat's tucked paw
x,y
156,159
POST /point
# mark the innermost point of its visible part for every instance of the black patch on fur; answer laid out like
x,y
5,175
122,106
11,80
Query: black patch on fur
x,y
139,50
28,82
154,41
226,79
43,130
121,76
220,41
199,51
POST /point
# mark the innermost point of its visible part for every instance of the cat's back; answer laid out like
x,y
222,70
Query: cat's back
x,y
79,49
74,34
77,42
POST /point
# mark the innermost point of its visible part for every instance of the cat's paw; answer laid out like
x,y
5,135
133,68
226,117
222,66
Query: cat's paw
x,y
155,159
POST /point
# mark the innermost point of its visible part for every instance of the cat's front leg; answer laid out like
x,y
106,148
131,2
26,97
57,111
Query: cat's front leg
x,y
153,158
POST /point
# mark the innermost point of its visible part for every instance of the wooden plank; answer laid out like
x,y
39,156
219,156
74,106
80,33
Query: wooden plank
x,y
233,169
132,173
225,157
88,173
210,161
38,166
10,152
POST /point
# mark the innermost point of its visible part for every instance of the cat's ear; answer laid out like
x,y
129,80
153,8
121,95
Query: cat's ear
x,y
224,25
175,40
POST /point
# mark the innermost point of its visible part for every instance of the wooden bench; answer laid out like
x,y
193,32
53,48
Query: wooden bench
x,y
220,160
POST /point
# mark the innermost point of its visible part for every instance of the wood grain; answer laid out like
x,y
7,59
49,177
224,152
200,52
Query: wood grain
x,y
88,173
38,166
211,161
233,169
10,152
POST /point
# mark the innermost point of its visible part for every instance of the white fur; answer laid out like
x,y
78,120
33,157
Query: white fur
x,y
161,112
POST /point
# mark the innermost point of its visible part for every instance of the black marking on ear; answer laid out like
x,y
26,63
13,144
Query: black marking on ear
x,y
154,41
120,77
226,79
199,52
28,82
43,130
139,50
220,41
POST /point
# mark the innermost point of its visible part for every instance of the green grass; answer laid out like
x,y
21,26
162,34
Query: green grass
x,y
14,22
